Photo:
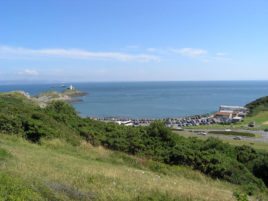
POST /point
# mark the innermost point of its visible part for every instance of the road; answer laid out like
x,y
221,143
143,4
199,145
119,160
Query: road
x,y
262,136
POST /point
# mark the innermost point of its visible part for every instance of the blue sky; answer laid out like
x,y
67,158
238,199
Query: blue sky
x,y
133,40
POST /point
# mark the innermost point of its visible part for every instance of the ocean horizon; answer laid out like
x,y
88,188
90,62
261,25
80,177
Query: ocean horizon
x,y
153,99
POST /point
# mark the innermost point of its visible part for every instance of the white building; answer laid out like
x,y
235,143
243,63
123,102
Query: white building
x,y
233,109
71,87
235,113
125,123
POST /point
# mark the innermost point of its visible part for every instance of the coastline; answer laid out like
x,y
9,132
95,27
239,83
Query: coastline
x,y
44,98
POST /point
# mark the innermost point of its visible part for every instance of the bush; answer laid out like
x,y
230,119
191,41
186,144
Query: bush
x,y
245,154
10,124
260,169
240,196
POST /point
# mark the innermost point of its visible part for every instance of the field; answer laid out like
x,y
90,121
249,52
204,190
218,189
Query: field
x,y
59,171
261,120
256,144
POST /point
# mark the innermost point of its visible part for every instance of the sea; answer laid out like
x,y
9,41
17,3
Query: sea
x,y
154,100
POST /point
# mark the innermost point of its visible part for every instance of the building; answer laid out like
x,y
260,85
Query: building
x,y
233,109
233,113
125,123
71,87
223,115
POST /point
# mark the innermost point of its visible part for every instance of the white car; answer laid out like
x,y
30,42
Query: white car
x,y
202,133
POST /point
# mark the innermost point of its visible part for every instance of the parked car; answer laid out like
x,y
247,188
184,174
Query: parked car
x,y
252,124
202,133
237,138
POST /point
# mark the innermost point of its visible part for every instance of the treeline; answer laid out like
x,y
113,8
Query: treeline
x,y
239,165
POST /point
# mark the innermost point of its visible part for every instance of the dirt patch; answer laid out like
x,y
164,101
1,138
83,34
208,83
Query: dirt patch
x,y
265,123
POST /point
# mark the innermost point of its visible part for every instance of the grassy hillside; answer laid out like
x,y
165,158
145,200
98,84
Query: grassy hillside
x,y
20,116
56,170
260,118
259,105
258,113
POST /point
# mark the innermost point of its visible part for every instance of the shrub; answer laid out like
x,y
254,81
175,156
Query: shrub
x,y
10,124
240,196
245,154
260,169
35,130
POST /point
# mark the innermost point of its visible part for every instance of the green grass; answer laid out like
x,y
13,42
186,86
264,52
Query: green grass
x,y
60,171
233,133
256,145
15,189
3,154
261,120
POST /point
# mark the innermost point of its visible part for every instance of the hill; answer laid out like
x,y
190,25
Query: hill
x,y
20,116
56,170
257,106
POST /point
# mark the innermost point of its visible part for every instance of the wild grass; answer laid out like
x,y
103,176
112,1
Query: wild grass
x,y
56,170
260,119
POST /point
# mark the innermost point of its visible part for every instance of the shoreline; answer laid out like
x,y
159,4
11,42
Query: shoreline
x,y
44,98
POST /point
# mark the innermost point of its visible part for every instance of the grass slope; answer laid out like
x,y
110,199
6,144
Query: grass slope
x,y
261,120
258,105
60,171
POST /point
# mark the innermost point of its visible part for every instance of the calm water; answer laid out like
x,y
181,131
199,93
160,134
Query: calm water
x,y
156,99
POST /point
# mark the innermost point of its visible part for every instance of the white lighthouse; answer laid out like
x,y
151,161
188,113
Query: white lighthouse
x,y
71,87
